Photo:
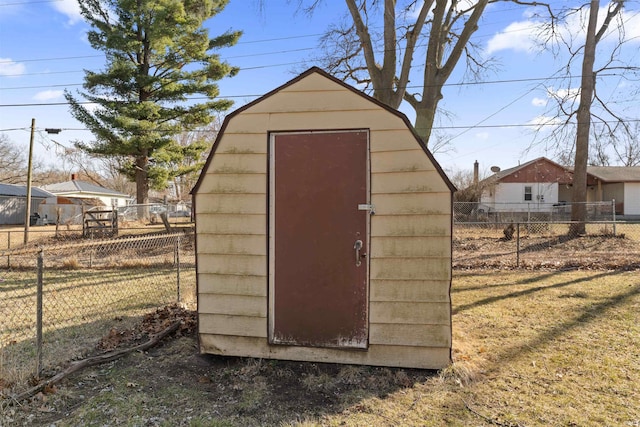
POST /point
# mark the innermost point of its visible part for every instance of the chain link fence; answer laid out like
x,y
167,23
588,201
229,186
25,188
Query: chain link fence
x,y
530,235
61,293
604,244
479,212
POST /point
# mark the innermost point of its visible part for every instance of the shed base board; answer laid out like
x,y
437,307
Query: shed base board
x,y
376,355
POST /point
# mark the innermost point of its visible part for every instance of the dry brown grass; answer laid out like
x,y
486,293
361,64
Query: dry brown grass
x,y
79,307
542,348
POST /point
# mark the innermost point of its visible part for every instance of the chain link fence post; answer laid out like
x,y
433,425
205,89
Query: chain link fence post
x,y
613,210
9,247
178,267
39,297
517,245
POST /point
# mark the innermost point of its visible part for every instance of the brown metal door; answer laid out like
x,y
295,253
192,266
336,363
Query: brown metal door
x,y
318,239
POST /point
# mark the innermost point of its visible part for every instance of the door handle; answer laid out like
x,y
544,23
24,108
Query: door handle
x,y
357,246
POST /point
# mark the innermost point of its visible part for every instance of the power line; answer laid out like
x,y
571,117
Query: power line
x,y
238,43
29,2
60,58
478,83
476,126
40,87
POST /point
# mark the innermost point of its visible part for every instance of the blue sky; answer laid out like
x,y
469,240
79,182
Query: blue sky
x,y
43,50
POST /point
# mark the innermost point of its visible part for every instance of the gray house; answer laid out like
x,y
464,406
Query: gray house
x,y
13,202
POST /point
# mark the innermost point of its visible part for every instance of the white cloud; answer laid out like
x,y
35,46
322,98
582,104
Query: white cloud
x,y
460,5
70,8
545,121
538,102
482,135
8,67
564,94
518,36
632,25
92,107
524,36
48,95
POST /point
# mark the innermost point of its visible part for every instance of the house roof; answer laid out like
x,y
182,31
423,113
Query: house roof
x,y
317,70
500,175
608,174
615,173
21,191
75,186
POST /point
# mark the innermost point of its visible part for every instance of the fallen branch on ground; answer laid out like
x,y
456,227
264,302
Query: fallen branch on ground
x,y
96,360
488,419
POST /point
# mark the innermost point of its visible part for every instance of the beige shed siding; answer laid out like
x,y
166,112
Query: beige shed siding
x,y
411,225
406,313
239,163
400,161
218,224
322,101
252,265
410,233
236,305
234,244
377,355
231,284
410,247
408,291
408,182
411,335
229,183
237,203
221,324
243,143
412,203
395,139
372,119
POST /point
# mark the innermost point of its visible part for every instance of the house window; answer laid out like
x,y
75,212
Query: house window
x,y
527,193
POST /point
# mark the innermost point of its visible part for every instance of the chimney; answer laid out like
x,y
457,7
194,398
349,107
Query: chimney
x,y
73,177
476,173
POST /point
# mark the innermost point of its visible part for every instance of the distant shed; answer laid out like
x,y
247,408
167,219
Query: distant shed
x,y
13,203
323,233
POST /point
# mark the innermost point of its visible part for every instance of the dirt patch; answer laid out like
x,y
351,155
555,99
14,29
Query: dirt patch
x,y
172,384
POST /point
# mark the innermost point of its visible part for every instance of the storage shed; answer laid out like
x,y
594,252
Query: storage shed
x,y
323,233
13,203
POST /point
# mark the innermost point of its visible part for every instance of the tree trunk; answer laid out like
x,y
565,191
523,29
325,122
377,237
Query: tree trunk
x,y
142,183
424,123
583,116
426,109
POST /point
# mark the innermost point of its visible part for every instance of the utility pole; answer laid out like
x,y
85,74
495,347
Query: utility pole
x,y
29,167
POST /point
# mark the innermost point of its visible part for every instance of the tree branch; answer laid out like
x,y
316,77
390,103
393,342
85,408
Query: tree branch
x,y
96,360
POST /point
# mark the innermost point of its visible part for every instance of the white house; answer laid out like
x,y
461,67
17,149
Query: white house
x,y
618,183
85,190
542,185
73,197
534,186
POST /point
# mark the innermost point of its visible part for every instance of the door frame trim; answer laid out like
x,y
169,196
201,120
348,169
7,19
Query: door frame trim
x,y
271,227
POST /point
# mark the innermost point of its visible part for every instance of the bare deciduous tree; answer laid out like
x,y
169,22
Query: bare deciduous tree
x,y
13,162
585,110
418,43
196,146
